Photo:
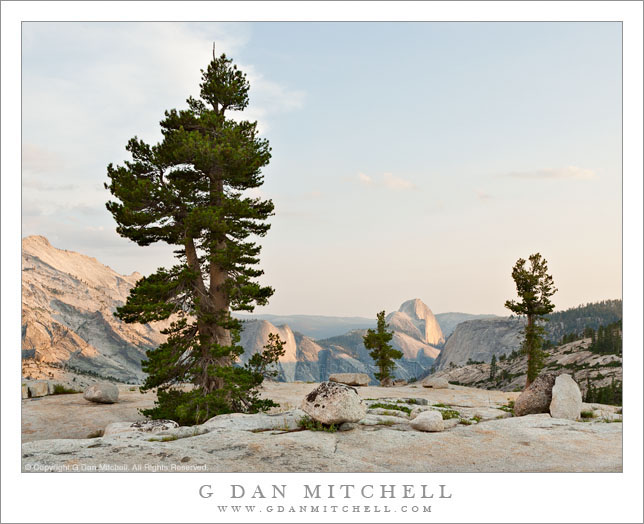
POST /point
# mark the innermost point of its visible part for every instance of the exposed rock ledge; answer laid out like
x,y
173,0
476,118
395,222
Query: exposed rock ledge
x,y
271,443
529,444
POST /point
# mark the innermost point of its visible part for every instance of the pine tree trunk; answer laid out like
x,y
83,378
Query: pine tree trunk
x,y
219,299
211,302
529,350
220,305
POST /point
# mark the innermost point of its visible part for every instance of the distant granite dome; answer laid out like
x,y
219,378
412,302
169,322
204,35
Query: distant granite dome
x,y
416,320
479,339
254,337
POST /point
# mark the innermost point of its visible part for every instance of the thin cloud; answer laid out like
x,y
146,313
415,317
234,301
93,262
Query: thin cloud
x,y
37,159
313,194
570,173
267,98
397,183
144,68
41,186
481,195
388,180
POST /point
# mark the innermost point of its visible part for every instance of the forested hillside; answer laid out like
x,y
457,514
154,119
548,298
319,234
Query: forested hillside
x,y
577,319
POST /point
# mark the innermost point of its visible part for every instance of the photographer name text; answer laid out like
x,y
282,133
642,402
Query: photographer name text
x,y
331,491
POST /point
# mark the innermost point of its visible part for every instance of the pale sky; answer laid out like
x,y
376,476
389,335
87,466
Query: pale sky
x,y
409,159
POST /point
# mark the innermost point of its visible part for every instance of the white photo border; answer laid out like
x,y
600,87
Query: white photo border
x,y
476,497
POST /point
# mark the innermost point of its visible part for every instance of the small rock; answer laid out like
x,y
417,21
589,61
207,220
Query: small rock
x,y
347,426
537,397
350,379
25,391
400,382
435,383
417,411
104,393
566,398
418,401
428,421
333,403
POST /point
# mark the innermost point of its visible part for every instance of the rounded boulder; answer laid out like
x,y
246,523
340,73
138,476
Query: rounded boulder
x,y
536,397
102,393
435,383
334,403
430,420
566,398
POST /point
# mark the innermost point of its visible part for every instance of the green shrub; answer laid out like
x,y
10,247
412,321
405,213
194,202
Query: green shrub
x,y
509,407
465,422
166,438
450,413
59,389
587,414
193,407
314,425
390,406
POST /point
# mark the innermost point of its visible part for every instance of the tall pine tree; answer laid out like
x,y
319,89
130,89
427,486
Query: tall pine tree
x,y
382,352
534,287
188,191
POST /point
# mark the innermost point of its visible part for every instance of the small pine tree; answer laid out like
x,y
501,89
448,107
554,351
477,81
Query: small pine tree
x,y
493,367
588,388
381,351
534,287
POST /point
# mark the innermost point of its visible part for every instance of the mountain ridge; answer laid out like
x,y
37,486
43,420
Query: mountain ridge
x,y
68,301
